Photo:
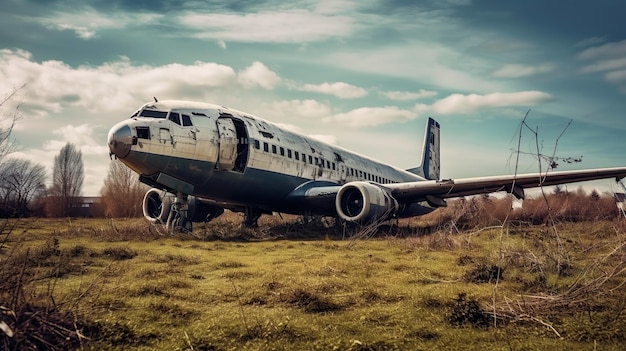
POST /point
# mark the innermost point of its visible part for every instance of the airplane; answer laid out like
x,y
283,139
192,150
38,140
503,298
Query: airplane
x,y
201,158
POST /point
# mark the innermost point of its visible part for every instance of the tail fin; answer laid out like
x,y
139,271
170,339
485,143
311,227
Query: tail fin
x,y
430,166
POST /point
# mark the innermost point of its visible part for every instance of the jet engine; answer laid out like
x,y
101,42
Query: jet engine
x,y
157,205
364,202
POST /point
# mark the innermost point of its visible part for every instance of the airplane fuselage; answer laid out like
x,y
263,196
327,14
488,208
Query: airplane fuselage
x,y
238,160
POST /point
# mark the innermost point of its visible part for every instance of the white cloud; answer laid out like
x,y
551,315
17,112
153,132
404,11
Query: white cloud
x,y
372,116
288,26
54,85
608,58
93,153
87,21
605,65
520,70
613,49
289,109
461,104
409,95
591,41
258,74
339,89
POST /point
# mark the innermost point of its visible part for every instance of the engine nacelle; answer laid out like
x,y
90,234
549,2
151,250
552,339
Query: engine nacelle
x,y
157,205
364,202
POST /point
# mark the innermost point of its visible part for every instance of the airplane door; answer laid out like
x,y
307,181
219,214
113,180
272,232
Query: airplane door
x,y
227,145
233,145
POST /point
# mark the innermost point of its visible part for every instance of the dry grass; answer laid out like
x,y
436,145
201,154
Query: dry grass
x,y
113,285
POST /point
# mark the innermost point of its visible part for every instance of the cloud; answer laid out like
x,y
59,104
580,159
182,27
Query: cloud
x,y
82,136
119,85
520,70
290,109
286,26
613,49
591,41
608,58
339,89
462,104
605,65
372,116
258,74
618,77
86,22
408,95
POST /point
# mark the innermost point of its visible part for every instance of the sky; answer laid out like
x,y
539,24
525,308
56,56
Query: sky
x,y
361,74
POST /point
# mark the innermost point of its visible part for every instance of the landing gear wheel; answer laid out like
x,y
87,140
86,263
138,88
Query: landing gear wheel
x,y
183,225
186,225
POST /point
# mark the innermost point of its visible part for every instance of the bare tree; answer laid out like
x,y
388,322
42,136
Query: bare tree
x,y
122,192
7,122
21,181
67,180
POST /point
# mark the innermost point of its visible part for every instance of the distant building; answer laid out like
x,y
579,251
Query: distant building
x,y
87,206
81,206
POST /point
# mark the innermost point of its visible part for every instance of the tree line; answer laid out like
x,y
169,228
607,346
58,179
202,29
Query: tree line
x,y
23,189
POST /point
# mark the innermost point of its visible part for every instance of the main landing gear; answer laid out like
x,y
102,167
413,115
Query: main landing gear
x,y
178,219
251,217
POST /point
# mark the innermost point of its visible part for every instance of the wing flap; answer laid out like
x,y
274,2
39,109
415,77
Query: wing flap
x,y
447,188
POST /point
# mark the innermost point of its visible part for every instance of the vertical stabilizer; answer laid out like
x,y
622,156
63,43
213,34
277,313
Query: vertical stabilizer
x,y
430,167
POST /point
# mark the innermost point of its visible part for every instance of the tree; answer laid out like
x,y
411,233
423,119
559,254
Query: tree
x,y
122,193
7,122
21,181
67,181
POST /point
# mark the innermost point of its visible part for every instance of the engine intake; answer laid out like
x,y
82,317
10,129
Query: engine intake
x,y
364,202
157,205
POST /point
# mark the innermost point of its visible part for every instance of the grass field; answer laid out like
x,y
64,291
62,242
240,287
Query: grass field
x,y
120,285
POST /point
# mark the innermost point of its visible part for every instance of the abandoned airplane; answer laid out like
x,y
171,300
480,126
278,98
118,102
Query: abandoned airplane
x,y
201,159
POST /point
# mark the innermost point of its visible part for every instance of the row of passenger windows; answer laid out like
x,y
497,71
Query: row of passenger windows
x,y
314,160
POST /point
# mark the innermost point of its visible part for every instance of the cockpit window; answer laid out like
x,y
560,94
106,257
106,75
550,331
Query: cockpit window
x,y
186,121
175,117
153,114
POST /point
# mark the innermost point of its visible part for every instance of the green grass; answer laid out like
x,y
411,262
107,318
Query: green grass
x,y
129,288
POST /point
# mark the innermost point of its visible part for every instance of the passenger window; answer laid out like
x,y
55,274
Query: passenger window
x,y
175,117
187,121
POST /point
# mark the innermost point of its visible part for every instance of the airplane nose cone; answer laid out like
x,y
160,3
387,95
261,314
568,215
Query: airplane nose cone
x,y
120,140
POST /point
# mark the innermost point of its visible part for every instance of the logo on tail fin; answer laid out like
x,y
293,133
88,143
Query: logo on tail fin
x,y
430,167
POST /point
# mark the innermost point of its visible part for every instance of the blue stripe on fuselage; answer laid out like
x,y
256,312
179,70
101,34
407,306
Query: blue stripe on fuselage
x,y
254,187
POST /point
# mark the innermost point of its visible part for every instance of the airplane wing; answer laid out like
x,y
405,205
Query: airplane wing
x,y
434,190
